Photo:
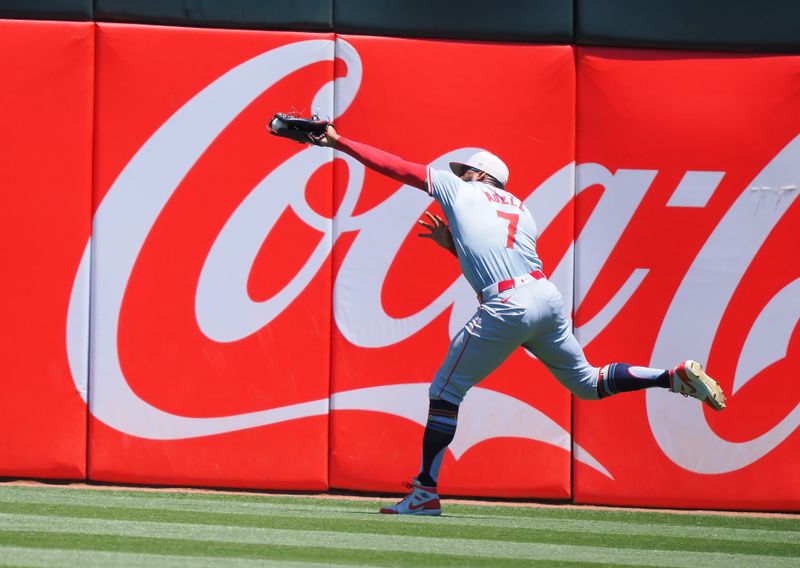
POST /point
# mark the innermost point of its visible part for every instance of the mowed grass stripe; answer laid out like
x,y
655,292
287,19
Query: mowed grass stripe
x,y
302,502
307,552
392,543
427,527
248,504
533,529
58,558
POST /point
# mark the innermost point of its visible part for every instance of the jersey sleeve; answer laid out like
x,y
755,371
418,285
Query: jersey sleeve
x,y
443,186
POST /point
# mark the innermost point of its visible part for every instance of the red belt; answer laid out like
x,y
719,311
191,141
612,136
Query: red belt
x,y
504,285
512,282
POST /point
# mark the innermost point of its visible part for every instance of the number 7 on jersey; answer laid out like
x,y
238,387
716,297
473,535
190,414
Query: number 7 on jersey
x,y
513,219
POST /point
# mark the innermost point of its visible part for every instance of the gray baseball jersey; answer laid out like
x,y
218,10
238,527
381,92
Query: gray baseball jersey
x,y
494,233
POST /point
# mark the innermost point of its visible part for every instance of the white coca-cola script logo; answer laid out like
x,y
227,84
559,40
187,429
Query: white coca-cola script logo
x,y
707,289
225,312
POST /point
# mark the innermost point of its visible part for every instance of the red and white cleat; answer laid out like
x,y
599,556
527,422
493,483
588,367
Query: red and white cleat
x,y
421,501
689,379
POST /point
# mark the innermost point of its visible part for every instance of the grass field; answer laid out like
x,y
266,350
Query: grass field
x,y
60,526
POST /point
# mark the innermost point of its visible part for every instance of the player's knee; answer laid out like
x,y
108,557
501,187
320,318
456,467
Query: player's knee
x,y
580,380
586,390
587,393
588,387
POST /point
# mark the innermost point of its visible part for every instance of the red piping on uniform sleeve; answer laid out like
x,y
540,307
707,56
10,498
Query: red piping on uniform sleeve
x,y
429,187
383,162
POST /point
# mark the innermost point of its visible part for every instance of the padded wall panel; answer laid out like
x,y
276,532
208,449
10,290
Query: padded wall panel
x,y
398,299
310,15
540,21
211,284
686,24
47,71
701,164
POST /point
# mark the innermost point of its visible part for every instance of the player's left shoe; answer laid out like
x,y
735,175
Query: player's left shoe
x,y
689,379
422,500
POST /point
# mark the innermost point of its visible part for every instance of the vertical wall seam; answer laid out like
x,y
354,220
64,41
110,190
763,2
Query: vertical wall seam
x,y
574,255
331,275
92,162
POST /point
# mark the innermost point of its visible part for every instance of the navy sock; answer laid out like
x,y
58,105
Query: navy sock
x,y
439,432
621,377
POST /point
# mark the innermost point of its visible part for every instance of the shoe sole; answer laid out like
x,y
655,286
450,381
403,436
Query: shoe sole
x,y
715,398
424,512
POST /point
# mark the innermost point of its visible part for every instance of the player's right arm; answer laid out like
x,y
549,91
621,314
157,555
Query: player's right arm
x,y
383,162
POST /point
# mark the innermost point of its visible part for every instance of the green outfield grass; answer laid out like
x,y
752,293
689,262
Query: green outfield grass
x,y
58,526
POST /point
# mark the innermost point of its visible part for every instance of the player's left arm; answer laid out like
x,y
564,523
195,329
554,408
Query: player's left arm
x,y
386,163
439,232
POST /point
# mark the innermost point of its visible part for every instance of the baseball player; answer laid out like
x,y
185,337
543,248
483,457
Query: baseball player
x,y
494,237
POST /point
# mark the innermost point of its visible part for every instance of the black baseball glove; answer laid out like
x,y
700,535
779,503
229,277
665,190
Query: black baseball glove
x,y
302,130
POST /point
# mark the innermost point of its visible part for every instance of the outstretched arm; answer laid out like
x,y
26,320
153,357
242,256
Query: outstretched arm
x,y
385,163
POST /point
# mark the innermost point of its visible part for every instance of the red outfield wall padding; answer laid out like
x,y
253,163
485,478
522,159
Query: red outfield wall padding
x,y
45,176
398,298
211,275
701,155
212,270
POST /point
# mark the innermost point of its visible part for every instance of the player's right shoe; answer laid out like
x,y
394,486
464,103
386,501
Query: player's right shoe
x,y
689,379
421,501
